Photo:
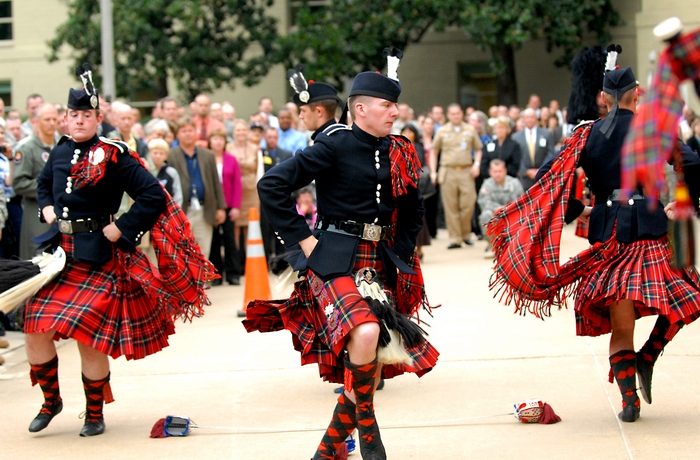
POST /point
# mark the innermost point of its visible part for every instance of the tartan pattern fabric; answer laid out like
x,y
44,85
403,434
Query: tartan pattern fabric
x,y
105,307
623,364
526,234
46,375
97,393
183,271
319,334
639,271
127,306
342,424
654,129
85,172
405,165
364,377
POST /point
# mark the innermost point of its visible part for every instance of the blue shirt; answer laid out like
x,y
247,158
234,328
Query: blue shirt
x,y
196,183
292,140
4,172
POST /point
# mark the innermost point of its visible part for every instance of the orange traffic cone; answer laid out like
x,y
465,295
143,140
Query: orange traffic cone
x,y
257,282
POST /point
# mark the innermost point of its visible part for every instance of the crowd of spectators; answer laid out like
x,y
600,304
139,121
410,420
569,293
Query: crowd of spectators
x,y
210,160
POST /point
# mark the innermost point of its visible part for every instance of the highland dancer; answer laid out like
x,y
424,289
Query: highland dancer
x,y
624,275
109,297
362,279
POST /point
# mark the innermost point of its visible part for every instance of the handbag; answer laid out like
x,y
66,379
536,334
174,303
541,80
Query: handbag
x,y
425,185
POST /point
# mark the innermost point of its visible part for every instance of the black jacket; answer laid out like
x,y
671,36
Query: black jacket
x,y
349,187
600,160
99,200
509,152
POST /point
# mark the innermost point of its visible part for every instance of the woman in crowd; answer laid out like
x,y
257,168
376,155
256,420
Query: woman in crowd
x,y
503,148
230,178
247,156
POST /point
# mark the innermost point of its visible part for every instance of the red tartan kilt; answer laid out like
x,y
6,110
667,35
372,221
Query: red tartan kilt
x,y
639,271
320,339
100,306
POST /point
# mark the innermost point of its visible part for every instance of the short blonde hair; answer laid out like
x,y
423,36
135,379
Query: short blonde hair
x,y
158,144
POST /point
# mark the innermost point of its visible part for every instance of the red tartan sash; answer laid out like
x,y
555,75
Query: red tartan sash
x,y
183,271
527,234
654,129
405,172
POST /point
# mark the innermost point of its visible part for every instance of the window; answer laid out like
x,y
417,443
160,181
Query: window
x,y
5,19
477,86
6,92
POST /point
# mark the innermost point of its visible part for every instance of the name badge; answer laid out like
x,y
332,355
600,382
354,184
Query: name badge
x,y
491,147
463,145
543,142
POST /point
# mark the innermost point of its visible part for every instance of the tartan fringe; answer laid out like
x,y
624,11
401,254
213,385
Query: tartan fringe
x,y
524,303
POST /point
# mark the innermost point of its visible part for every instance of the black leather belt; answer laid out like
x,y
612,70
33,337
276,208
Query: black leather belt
x,y
70,227
617,195
369,232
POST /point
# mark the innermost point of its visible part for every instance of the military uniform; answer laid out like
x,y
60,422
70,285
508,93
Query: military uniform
x,y
369,213
629,258
108,297
457,185
493,196
30,157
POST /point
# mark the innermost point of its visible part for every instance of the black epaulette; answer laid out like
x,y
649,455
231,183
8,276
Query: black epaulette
x,y
63,139
334,128
119,144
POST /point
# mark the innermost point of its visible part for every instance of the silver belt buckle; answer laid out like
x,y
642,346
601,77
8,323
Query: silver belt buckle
x,y
65,226
372,232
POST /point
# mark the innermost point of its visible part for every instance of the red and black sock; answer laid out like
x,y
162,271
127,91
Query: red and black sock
x,y
342,424
623,368
46,375
662,333
363,386
97,392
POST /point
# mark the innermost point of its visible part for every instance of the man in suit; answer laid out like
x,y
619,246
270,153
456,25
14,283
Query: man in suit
x,y
536,145
203,120
203,198
123,118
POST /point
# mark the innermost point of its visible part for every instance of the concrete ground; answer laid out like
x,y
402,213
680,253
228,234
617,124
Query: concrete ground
x,y
272,408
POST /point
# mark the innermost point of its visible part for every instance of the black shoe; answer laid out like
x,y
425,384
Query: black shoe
x,y
42,420
644,371
454,246
217,282
234,280
480,237
381,384
93,427
629,413
469,242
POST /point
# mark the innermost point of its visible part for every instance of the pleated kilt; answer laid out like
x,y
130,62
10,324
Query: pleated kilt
x,y
106,307
321,314
639,271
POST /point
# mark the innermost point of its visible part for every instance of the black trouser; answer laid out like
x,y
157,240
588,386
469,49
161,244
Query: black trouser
x,y
476,228
224,237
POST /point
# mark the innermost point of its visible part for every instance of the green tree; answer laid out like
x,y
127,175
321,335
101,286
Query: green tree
x,y
504,26
347,36
201,44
